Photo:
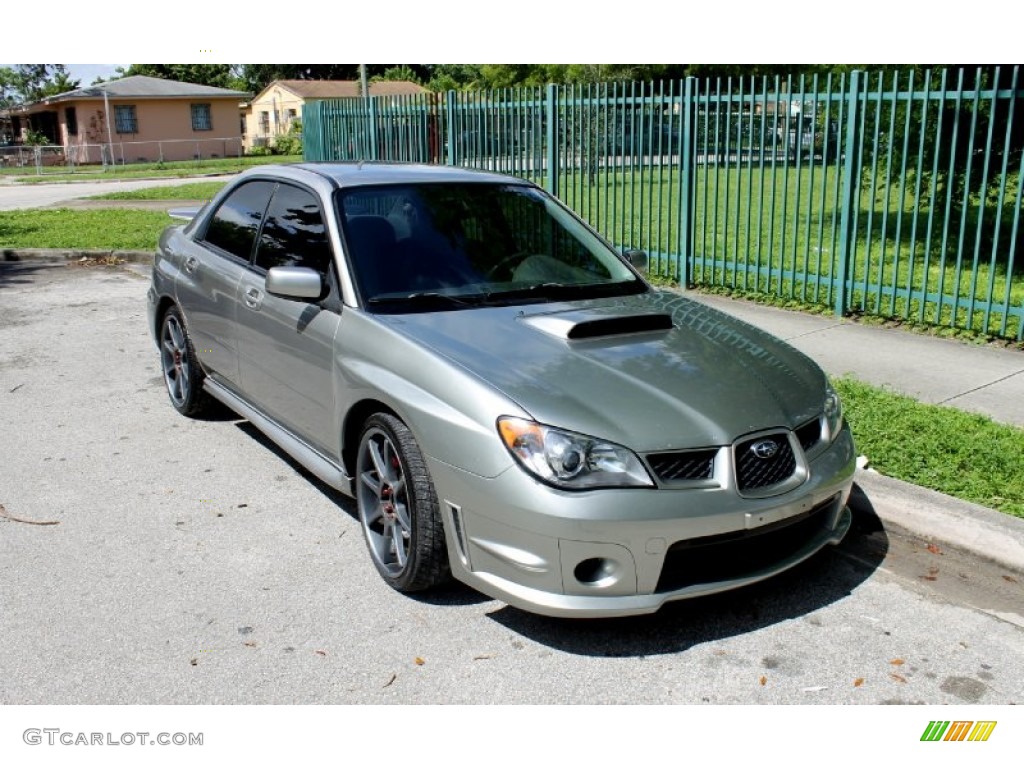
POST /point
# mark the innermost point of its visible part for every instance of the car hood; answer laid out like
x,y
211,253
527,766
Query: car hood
x,y
604,368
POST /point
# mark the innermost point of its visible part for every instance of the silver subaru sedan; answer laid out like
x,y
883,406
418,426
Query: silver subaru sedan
x,y
505,397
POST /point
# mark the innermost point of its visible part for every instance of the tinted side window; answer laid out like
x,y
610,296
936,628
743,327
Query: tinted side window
x,y
294,234
234,225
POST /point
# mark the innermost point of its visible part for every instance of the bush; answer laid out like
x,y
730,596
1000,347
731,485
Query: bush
x,y
37,139
259,152
289,144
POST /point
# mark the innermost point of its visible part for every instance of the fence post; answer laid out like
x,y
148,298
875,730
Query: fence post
x,y
686,187
552,138
851,186
449,127
374,149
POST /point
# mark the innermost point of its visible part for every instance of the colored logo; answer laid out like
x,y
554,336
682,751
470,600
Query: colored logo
x,y
958,730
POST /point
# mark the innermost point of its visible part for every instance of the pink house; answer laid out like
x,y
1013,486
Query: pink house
x,y
138,119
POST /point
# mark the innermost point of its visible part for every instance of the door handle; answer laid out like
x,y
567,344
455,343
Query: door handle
x,y
190,264
253,297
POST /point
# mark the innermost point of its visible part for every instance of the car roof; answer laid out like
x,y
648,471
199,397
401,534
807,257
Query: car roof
x,y
356,174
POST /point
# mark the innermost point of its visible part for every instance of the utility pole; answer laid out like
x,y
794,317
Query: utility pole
x,y
106,115
363,87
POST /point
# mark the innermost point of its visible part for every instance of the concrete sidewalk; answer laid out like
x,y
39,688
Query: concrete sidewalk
x,y
983,379
18,196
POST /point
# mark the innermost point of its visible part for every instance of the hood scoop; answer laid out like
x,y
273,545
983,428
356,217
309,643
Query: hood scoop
x,y
577,325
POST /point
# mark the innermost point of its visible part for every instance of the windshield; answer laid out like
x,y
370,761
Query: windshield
x,y
458,245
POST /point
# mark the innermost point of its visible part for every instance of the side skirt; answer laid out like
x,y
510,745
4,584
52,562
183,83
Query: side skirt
x,y
321,466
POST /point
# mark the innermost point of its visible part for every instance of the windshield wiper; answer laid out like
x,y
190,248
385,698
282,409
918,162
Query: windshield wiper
x,y
429,298
543,290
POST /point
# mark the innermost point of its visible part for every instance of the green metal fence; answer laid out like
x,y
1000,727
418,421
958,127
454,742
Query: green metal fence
x,y
892,194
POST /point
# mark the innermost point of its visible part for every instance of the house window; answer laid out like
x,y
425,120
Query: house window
x,y
71,118
125,120
264,123
202,118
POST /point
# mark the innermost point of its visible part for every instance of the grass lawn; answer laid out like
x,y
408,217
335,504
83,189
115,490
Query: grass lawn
x,y
776,230
119,229
961,454
202,190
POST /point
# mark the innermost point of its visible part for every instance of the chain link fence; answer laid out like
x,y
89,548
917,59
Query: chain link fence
x,y
107,158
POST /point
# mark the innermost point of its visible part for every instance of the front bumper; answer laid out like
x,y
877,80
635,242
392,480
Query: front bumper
x,y
620,552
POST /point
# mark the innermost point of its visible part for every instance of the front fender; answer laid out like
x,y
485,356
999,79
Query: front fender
x,y
451,412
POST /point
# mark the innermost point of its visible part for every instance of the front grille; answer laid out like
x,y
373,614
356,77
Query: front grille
x,y
683,465
753,471
809,434
738,554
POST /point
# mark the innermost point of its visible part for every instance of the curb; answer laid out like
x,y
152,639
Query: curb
x,y
73,255
942,519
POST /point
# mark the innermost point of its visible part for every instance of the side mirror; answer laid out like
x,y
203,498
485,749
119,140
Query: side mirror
x,y
637,258
295,283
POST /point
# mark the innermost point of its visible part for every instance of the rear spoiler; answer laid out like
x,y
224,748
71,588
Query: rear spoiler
x,y
185,214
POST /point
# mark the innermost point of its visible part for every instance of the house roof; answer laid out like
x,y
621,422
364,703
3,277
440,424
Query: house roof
x,y
143,87
344,89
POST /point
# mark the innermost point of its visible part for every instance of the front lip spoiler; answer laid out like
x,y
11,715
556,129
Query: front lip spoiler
x,y
592,607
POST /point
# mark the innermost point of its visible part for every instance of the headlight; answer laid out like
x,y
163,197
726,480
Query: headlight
x,y
571,460
833,413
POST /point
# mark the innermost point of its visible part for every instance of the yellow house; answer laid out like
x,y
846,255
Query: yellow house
x,y
279,105
137,119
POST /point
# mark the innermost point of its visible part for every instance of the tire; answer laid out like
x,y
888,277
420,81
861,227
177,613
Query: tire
x,y
182,372
398,507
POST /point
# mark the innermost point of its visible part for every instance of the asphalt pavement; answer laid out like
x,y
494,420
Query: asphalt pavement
x,y
147,558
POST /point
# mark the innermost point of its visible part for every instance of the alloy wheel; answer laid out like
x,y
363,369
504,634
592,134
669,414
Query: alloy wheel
x,y
384,505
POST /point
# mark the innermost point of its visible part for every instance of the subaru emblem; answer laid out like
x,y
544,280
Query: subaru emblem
x,y
765,449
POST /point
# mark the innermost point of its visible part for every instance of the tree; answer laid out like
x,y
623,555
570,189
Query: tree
x,y
256,77
59,81
27,83
8,91
452,77
400,72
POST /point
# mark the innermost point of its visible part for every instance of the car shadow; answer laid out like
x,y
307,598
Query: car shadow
x,y
452,594
828,577
19,272
217,411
